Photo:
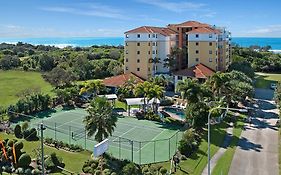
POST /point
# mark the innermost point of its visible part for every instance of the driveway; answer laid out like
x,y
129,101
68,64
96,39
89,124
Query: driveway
x,y
257,150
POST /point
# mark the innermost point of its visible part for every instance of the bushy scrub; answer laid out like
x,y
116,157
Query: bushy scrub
x,y
189,142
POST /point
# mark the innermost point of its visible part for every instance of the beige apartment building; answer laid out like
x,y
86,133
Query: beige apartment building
x,y
205,49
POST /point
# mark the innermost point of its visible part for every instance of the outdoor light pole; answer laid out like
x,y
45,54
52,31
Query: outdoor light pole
x,y
209,131
42,128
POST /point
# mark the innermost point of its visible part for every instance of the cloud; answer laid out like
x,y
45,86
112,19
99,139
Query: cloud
x,y
90,9
269,31
174,6
15,31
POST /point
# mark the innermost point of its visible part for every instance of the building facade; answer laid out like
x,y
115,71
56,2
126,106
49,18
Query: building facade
x,y
147,48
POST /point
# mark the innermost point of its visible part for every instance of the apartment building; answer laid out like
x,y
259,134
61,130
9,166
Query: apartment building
x,y
201,46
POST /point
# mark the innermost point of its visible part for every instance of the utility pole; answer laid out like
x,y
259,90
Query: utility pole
x,y
42,128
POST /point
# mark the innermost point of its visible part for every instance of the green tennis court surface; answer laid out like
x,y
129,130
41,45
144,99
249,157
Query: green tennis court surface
x,y
139,140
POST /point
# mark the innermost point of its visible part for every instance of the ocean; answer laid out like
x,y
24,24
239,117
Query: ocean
x,y
275,43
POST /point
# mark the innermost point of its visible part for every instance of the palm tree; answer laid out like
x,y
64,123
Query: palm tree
x,y
92,86
149,90
191,90
160,80
101,121
170,61
155,61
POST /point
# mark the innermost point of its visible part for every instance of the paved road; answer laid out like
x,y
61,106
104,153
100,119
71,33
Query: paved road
x,y
257,152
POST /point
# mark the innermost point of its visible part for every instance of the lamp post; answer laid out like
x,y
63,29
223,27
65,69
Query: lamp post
x,y
209,115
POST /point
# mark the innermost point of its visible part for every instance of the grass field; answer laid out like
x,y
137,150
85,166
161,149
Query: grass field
x,y
224,163
195,164
14,82
73,161
263,80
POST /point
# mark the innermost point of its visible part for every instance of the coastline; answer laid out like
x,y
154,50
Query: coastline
x,y
62,42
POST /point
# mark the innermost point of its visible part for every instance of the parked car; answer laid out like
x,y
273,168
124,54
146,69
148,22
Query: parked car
x,y
273,86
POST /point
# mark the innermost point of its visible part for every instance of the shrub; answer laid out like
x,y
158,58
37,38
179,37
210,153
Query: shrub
x,y
130,169
140,115
189,142
163,171
18,132
24,160
166,102
24,126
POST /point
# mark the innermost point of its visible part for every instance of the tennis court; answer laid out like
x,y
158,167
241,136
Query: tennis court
x,y
139,140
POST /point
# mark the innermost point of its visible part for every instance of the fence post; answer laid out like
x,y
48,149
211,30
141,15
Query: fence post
x,y
119,148
69,135
140,152
154,150
132,142
169,148
176,141
85,140
55,131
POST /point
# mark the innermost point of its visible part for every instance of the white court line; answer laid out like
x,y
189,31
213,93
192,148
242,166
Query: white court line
x,y
125,132
142,127
151,140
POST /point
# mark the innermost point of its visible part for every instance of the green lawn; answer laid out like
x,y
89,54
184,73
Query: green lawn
x,y
263,80
73,161
223,164
14,82
195,164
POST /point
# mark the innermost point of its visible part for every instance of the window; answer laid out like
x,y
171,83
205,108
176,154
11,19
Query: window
x,y
126,44
138,60
178,29
196,59
127,59
138,52
216,60
210,43
153,52
153,44
127,36
153,35
197,51
127,51
148,52
210,36
148,35
197,44
148,43
138,35
210,52
196,27
179,77
156,51
156,68
210,60
127,68
156,35
138,69
197,35
138,44
148,69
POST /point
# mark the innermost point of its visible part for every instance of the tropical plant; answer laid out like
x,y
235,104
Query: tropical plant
x,y
149,91
100,121
170,61
192,91
92,86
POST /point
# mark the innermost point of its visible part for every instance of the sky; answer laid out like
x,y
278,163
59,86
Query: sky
x,y
111,18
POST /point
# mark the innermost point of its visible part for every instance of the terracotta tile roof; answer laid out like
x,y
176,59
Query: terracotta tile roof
x,y
205,30
197,71
190,24
149,29
119,80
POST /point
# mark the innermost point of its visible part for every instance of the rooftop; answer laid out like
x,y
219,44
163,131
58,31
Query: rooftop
x,y
190,24
205,30
197,71
119,80
150,29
